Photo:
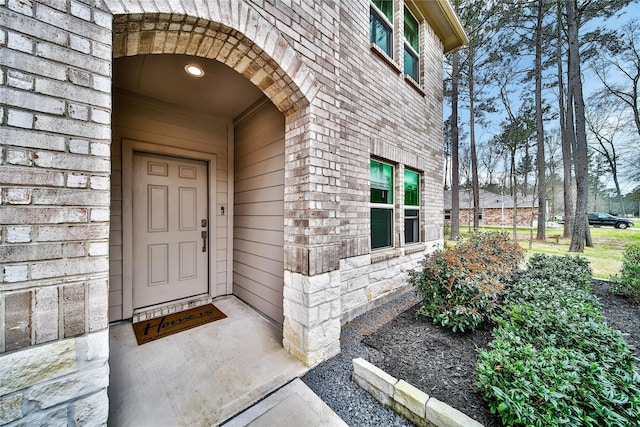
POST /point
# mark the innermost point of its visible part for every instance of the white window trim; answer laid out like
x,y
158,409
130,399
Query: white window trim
x,y
408,45
378,49
390,206
417,207
383,16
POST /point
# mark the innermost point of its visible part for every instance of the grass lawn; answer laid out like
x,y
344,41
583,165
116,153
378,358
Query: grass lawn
x,y
605,257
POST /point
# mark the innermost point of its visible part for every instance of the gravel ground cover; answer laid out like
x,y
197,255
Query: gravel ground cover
x,y
331,380
432,358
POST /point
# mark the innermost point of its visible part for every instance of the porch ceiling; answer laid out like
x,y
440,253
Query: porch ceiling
x,y
221,91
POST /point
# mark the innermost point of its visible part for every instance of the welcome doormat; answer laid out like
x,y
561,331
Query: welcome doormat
x,y
160,327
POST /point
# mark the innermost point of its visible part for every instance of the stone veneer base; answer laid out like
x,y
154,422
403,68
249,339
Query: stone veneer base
x,y
407,400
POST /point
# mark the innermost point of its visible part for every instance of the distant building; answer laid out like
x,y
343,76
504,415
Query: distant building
x,y
495,209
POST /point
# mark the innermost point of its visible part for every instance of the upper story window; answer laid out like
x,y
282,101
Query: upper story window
x,y
381,25
411,207
411,45
381,204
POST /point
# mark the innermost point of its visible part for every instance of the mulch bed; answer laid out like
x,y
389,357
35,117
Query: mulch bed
x,y
442,363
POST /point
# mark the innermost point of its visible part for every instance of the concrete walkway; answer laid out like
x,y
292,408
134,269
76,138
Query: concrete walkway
x,y
206,375
293,405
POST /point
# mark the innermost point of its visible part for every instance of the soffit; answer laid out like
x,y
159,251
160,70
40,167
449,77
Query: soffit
x,y
221,91
443,19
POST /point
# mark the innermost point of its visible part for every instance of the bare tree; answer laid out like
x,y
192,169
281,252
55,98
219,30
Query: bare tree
x,y
464,161
618,67
605,123
490,159
553,145
597,171
480,20
516,133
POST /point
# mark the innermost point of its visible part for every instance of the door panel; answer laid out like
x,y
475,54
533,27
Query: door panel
x,y
158,206
170,254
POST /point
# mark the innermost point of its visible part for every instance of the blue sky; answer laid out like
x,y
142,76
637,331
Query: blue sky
x,y
591,84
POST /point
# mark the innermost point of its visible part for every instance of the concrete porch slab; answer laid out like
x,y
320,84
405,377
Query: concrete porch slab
x,y
199,377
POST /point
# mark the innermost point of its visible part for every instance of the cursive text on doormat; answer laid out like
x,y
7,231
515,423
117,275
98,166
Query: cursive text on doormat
x,y
153,329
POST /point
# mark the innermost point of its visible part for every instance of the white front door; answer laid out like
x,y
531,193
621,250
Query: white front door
x,y
170,226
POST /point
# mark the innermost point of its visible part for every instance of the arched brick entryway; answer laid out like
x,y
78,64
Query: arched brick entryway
x,y
237,35
258,53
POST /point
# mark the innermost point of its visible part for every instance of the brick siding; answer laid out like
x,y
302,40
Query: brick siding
x,y
54,190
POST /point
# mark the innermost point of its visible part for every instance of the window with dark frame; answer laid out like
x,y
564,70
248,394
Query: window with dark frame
x,y
381,25
411,207
381,204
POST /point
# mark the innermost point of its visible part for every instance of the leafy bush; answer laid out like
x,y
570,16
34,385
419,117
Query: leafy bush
x,y
553,360
460,287
573,270
629,283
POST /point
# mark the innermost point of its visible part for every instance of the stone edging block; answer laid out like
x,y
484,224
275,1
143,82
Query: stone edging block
x,y
410,397
406,399
374,380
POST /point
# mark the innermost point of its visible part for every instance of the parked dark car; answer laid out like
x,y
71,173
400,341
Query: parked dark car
x,y
599,219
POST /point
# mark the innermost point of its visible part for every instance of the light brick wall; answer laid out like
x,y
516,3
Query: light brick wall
x,y
54,204
383,115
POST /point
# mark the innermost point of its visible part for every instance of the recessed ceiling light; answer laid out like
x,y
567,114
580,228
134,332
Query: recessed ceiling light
x,y
194,70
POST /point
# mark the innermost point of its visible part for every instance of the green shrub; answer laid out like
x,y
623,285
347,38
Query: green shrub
x,y
554,360
629,283
552,386
574,270
460,287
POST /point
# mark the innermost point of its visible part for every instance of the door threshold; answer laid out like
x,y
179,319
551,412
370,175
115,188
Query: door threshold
x,y
159,310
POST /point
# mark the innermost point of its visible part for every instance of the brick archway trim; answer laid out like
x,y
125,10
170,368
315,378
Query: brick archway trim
x,y
237,36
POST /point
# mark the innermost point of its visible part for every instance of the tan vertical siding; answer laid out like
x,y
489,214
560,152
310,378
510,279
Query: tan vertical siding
x,y
258,233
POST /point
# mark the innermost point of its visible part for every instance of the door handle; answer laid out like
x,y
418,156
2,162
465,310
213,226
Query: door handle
x,y
204,241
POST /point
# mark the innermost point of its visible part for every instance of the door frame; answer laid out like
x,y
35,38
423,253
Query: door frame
x,y
129,147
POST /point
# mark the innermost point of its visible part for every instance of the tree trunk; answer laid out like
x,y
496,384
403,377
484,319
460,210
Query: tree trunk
x,y
542,201
564,133
619,195
581,226
514,194
455,162
567,162
474,158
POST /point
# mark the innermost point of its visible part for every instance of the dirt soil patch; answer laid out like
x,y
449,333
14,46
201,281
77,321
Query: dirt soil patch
x,y
442,363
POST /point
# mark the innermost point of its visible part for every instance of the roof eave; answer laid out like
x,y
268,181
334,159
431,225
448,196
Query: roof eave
x,y
444,21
